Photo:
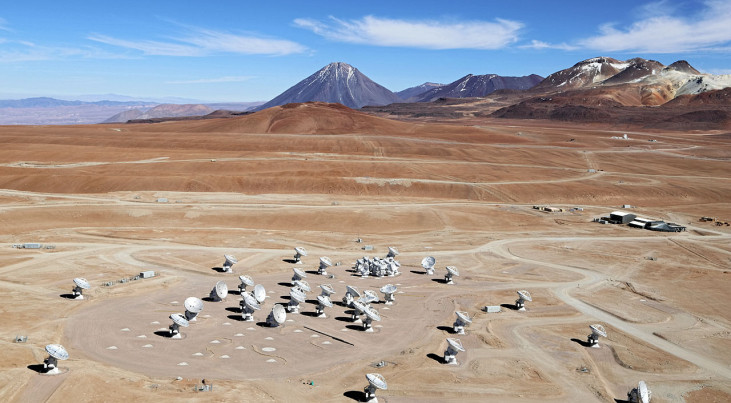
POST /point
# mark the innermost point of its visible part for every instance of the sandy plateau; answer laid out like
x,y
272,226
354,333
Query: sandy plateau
x,y
175,197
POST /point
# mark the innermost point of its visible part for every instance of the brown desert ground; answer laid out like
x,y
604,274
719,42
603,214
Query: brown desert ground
x,y
110,201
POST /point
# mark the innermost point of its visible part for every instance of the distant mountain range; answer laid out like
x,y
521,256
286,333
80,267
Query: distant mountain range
x,y
478,86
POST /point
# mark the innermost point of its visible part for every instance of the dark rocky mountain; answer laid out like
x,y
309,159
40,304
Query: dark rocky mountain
x,y
683,67
412,94
636,70
336,83
479,86
583,73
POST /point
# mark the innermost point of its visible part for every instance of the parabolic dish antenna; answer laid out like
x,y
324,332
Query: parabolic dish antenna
x,y
250,301
327,289
260,293
598,329
353,291
388,289
297,295
358,308
455,344
370,296
377,380
452,270
326,261
372,314
450,355
428,262
82,283
179,320
301,251
325,301
231,259
525,295
221,290
643,392
302,285
463,319
277,316
392,252
298,274
193,304
246,280
57,351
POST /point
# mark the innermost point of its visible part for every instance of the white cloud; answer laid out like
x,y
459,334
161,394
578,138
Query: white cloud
x,y
227,79
708,30
4,25
544,45
426,34
202,42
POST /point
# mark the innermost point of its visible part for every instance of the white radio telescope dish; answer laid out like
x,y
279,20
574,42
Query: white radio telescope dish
x,y
219,292
451,271
245,281
55,352
351,293
296,297
250,305
392,252
640,394
230,261
193,306
327,290
299,252
454,346
277,316
428,264
463,319
302,285
322,303
298,275
260,293
325,262
388,290
370,296
178,320
375,381
597,331
358,309
371,315
523,296
80,284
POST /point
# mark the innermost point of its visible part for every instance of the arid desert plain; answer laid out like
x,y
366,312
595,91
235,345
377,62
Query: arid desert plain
x,y
107,202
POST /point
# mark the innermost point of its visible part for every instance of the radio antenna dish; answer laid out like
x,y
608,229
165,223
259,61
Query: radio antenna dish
x,y
450,355
375,381
297,297
322,303
463,319
178,320
193,306
299,253
369,296
248,304
298,275
245,281
55,352
230,261
370,315
640,394
327,290
351,293
260,293
219,292
80,284
325,262
358,309
451,271
523,296
388,290
277,316
428,264
392,252
597,331
302,285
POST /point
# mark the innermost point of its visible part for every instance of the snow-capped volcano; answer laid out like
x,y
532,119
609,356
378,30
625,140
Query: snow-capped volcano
x,y
337,82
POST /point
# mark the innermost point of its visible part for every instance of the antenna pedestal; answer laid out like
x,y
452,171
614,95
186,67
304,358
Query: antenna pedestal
x,y
593,340
322,271
370,394
450,358
348,299
448,278
77,292
458,328
242,288
293,307
50,364
175,331
190,316
430,272
367,325
355,317
227,269
520,304
388,298
320,311
247,316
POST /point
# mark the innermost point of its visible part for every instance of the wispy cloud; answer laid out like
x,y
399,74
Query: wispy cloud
x,y
544,45
4,25
227,79
708,30
203,42
425,34
15,51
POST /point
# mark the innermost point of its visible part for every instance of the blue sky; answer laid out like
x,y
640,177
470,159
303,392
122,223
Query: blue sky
x,y
237,50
